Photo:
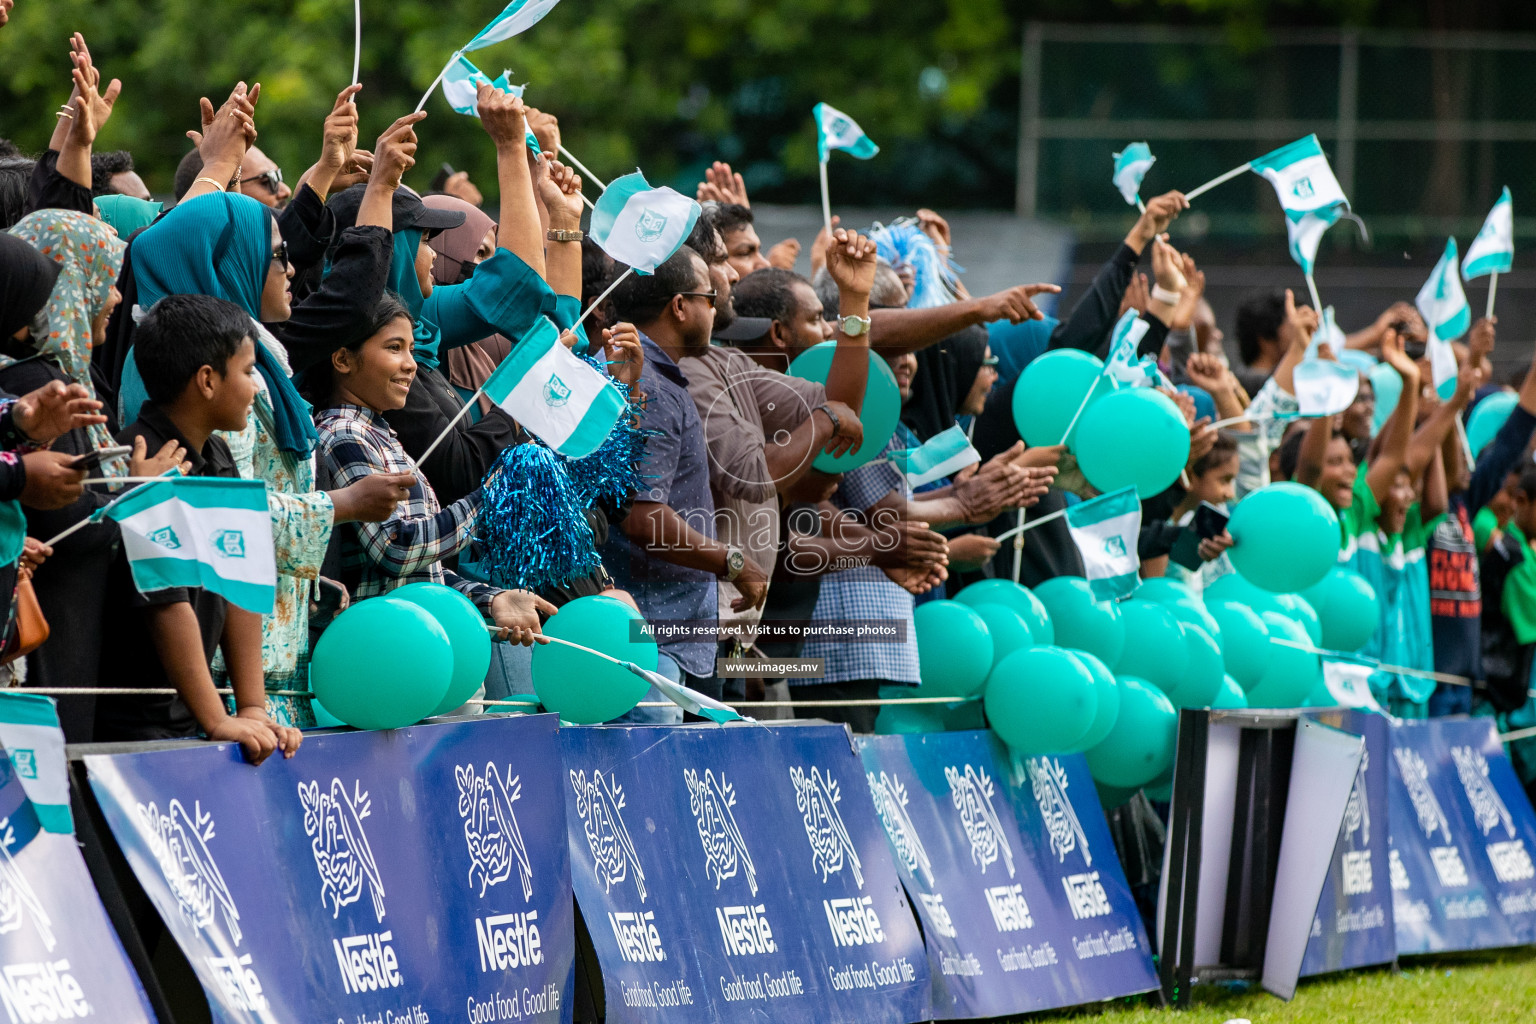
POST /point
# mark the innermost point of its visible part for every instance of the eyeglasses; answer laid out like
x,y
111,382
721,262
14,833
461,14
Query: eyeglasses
x,y
271,179
710,295
280,255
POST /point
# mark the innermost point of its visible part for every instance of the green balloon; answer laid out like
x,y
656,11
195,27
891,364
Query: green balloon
x,y
1231,695
1194,613
1140,747
383,663
1285,537
1233,587
1007,629
1296,607
882,405
1347,608
1016,596
1155,649
323,718
1041,700
581,687
1164,591
1291,673
954,649
1108,710
1487,417
1081,622
1133,438
1388,387
1111,797
1244,641
467,635
1202,681
1050,392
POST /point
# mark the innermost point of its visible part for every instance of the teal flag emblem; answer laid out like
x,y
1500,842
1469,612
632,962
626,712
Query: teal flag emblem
x,y
649,226
229,543
166,538
556,393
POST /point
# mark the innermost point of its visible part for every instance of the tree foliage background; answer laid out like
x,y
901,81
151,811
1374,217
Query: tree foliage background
x,y
666,85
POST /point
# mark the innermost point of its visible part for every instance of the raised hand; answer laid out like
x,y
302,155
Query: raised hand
x,y
55,409
545,128
1393,355
1161,211
502,116
1137,296
851,261
934,226
721,185
559,189
459,186
1014,304
784,254
1300,322
819,245
92,107
621,343
227,134
395,151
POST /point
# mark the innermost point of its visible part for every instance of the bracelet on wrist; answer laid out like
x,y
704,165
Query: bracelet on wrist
x,y
1165,295
216,184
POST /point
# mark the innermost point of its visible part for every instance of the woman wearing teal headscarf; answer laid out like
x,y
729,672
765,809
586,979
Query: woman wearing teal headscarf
x,y
127,214
229,246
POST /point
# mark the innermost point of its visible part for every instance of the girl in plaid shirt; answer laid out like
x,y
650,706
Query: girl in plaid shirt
x,y
359,384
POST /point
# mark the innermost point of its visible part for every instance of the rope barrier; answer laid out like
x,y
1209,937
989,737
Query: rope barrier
x,y
125,691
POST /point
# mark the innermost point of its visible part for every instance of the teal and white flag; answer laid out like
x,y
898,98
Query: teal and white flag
x,y
1328,330
33,740
946,452
641,226
1324,387
1443,305
198,531
517,17
561,400
1308,191
1105,530
1123,365
836,130
1131,165
1493,250
461,85
689,700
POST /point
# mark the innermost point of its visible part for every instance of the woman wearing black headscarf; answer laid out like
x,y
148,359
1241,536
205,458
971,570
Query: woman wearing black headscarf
x,y
26,281
946,375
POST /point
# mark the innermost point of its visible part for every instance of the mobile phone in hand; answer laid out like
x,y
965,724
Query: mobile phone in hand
x,y
92,462
1209,521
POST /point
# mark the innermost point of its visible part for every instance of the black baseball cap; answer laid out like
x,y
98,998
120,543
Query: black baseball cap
x,y
410,213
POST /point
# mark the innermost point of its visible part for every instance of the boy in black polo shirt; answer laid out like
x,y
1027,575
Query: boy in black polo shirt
x,y
197,358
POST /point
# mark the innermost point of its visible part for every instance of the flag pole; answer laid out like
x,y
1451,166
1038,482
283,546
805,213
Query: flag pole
x,y
1493,290
1018,547
357,39
1141,206
582,168
428,94
826,200
1031,524
468,404
599,300
1218,180
1317,303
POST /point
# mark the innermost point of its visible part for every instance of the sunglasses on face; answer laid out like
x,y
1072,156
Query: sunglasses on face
x,y
710,295
270,179
280,255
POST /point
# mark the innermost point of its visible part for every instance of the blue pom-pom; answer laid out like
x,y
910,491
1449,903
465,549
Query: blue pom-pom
x,y
613,471
904,243
533,524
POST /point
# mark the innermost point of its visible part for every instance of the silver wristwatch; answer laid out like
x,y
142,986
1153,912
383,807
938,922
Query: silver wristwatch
x,y
735,561
853,326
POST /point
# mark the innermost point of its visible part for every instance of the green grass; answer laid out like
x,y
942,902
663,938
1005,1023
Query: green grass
x,y
1481,988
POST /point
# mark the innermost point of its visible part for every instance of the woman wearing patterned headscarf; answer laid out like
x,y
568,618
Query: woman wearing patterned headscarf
x,y
83,256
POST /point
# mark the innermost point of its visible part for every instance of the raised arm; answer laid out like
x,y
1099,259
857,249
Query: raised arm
x,y
518,230
1392,454
851,263
1296,332
907,330
87,112
1428,439
559,189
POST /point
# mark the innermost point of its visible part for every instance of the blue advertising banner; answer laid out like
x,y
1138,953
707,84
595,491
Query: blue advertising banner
x,y
1462,837
1353,925
418,876
1023,902
738,873
59,957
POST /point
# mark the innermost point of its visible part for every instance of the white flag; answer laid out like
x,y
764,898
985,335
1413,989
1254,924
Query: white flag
x,y
1493,250
561,400
1106,530
1309,193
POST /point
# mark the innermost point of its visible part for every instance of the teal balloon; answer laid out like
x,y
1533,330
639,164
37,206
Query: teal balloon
x,y
1133,438
383,663
1108,709
1202,680
1016,596
1347,609
1194,613
581,687
1140,747
1231,695
1389,388
1487,417
954,649
467,635
1041,700
1244,641
1081,622
1285,537
907,719
1164,590
882,405
1297,608
1008,631
1111,797
1291,673
1233,587
323,718
1050,391
1155,649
